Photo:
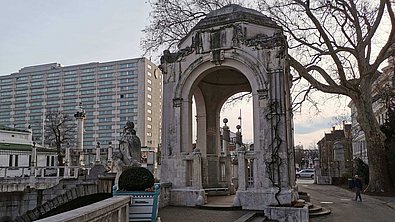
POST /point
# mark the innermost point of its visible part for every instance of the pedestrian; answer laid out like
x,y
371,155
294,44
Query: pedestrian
x,y
358,188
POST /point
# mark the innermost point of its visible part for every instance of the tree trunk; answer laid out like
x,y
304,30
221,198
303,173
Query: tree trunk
x,y
379,179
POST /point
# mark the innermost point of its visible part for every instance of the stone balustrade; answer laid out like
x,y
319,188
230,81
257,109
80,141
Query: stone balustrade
x,y
111,209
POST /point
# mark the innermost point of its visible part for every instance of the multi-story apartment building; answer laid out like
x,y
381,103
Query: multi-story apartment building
x,y
111,93
380,93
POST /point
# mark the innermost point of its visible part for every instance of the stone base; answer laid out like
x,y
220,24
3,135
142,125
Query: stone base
x,y
260,200
187,197
287,214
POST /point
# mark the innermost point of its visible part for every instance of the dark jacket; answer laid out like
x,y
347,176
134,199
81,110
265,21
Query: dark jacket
x,y
357,183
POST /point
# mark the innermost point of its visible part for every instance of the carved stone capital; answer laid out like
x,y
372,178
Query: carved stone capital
x,y
177,102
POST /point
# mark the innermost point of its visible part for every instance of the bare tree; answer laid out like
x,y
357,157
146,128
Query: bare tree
x,y
60,129
331,46
171,20
336,41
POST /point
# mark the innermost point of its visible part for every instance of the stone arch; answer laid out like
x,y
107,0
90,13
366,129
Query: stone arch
x,y
250,49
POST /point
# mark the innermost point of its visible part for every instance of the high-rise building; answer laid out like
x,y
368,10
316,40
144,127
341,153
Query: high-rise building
x,y
111,93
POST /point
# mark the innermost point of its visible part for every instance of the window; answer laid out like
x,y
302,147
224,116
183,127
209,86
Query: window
x,y
149,66
37,83
149,89
88,84
53,81
72,79
70,86
6,81
149,81
20,105
127,73
85,92
88,77
87,99
149,126
37,76
13,161
105,83
149,103
149,96
53,74
149,118
123,88
149,134
21,78
104,127
128,65
88,70
69,93
54,102
106,68
105,112
105,90
6,87
105,97
105,75
149,74
149,111
71,72
69,100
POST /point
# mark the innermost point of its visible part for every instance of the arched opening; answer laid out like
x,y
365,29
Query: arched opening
x,y
209,95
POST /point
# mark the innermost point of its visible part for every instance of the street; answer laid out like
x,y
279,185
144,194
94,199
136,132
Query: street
x,y
341,202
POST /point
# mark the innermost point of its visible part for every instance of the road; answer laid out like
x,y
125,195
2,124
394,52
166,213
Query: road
x,y
341,202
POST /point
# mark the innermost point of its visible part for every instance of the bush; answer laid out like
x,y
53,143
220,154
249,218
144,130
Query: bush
x,y
135,179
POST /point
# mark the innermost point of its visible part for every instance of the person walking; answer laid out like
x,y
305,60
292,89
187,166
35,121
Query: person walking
x,y
358,188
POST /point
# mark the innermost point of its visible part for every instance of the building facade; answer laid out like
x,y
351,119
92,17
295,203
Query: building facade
x,y
16,150
111,93
335,153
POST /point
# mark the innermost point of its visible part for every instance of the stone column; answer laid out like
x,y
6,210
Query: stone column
x,y
33,160
97,159
80,116
197,169
67,162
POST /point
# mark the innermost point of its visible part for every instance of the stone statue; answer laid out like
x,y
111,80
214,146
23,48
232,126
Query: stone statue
x,y
129,151
130,146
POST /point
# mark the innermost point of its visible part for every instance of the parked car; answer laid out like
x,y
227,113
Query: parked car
x,y
305,173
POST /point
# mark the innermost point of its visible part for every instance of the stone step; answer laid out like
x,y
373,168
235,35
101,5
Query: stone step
x,y
322,212
315,209
253,216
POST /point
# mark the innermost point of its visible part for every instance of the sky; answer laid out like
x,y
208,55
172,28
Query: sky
x,y
75,32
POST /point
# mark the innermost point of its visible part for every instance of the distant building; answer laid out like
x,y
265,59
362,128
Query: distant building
x,y
335,153
111,93
380,106
16,153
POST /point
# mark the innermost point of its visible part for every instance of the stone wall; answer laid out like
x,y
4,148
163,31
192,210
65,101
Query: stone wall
x,y
32,203
112,209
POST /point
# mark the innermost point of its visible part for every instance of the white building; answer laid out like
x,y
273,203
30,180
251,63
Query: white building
x,y
16,150
110,92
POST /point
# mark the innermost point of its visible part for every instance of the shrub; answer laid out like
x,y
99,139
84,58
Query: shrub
x,y
135,179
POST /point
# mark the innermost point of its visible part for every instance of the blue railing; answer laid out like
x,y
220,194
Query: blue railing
x,y
143,205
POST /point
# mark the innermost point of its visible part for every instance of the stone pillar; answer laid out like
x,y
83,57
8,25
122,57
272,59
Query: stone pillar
x,y
197,169
109,156
67,162
80,116
33,160
97,157
241,169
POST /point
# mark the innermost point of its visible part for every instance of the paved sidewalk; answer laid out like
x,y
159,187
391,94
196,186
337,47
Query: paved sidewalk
x,y
338,200
341,202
